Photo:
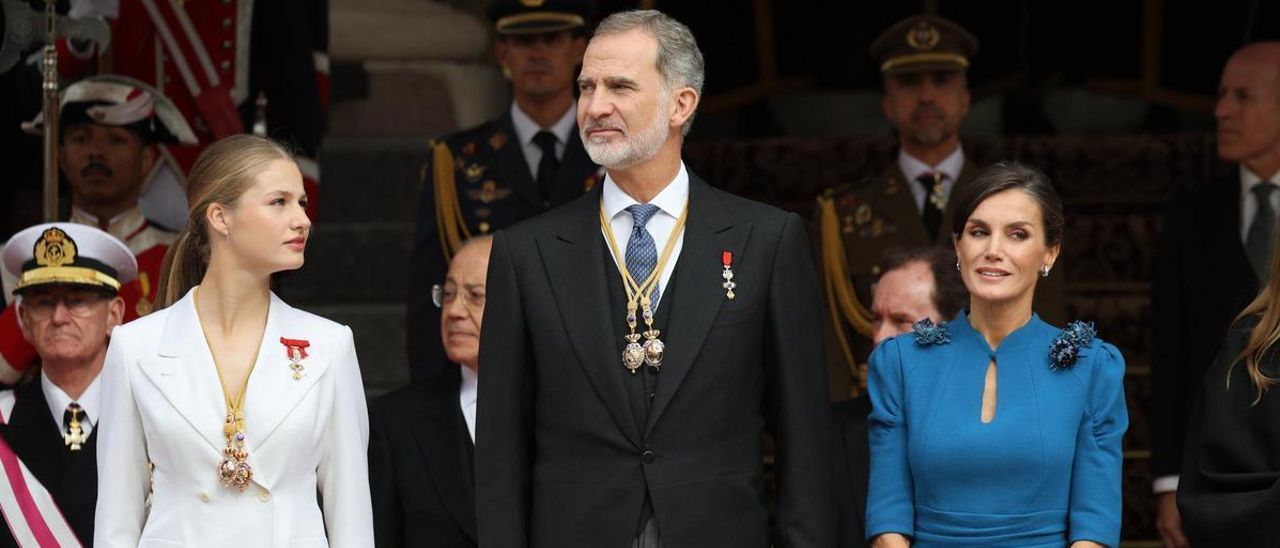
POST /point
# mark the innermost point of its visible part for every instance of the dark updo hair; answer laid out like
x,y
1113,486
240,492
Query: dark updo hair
x,y
1009,175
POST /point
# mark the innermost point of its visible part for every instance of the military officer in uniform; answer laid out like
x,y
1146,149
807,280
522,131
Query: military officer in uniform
x,y
69,278
110,128
508,169
924,60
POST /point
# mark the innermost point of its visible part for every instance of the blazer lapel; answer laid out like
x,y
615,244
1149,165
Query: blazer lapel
x,y
183,371
273,391
573,167
967,173
443,440
900,206
34,436
575,263
514,168
709,232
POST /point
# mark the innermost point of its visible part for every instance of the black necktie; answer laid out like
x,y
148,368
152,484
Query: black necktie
x,y
933,204
1257,242
548,165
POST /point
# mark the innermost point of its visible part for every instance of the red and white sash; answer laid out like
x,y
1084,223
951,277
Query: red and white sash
x,y
28,508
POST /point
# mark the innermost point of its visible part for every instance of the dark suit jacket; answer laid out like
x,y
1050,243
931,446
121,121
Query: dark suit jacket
x,y
563,458
852,467
70,477
1229,494
1202,281
420,466
486,156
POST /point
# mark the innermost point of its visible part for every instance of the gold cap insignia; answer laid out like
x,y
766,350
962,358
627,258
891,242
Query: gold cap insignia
x,y
55,248
532,3
923,36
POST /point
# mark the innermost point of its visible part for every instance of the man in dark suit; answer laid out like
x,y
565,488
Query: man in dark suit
x,y
918,283
68,282
422,436
604,425
507,169
1213,253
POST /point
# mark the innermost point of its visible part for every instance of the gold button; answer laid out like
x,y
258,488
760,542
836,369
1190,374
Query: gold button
x,y
484,227
875,270
204,496
226,65
264,496
226,44
226,23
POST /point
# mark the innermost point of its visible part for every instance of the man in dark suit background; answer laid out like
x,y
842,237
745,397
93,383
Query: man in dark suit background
x,y
1213,252
513,167
422,436
68,282
917,283
581,446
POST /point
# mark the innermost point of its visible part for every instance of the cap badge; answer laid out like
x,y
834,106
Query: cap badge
x,y
532,3
55,248
923,36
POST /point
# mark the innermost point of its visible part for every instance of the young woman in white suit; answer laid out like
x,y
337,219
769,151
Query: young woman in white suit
x,y
231,418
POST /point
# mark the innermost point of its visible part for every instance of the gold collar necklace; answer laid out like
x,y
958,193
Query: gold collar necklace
x,y
233,470
639,295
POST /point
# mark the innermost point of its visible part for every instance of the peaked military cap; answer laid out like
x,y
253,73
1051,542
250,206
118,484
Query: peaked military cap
x,y
537,16
68,253
922,43
121,101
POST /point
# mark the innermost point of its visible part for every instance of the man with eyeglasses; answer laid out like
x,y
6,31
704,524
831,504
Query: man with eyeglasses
x,y
513,167
68,282
423,435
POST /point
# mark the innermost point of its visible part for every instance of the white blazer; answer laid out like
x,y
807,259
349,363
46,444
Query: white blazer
x,y
307,439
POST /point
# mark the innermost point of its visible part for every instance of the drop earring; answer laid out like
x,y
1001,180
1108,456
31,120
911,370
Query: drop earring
x,y
1044,271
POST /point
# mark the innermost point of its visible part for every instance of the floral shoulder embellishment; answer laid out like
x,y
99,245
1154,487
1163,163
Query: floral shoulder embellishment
x,y
928,332
1065,350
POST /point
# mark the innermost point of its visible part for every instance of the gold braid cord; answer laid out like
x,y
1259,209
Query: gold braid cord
x,y
452,227
842,300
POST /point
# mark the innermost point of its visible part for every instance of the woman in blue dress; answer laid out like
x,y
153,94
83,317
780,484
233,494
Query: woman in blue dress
x,y
997,429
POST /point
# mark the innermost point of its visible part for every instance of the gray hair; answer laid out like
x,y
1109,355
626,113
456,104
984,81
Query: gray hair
x,y
679,60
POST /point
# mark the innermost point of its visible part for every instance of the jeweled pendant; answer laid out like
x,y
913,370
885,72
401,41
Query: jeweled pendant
x,y
633,355
654,350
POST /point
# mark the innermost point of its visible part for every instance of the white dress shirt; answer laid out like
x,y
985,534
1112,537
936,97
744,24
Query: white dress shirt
x,y
467,399
1249,201
913,168
526,129
670,201
90,403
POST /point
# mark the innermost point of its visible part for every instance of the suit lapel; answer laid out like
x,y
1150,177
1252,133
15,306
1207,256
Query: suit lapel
x,y
514,168
575,263
442,439
574,167
184,373
967,173
708,233
900,206
273,392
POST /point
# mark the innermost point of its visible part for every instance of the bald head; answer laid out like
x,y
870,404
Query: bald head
x,y
462,312
1248,109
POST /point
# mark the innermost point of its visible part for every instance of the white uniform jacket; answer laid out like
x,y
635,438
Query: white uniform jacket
x,y
307,439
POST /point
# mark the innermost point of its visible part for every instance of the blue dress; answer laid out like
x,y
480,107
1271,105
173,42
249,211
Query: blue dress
x,y
1044,472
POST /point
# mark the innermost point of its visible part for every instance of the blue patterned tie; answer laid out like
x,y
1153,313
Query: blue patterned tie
x,y
642,253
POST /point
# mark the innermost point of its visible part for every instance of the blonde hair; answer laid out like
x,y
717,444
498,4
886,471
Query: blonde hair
x,y
222,173
1266,333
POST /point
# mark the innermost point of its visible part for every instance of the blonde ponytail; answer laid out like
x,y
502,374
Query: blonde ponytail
x,y
222,173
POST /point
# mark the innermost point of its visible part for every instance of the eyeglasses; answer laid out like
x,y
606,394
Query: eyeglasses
x,y
444,295
80,305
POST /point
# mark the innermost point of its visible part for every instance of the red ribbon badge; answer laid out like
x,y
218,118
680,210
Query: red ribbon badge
x,y
295,345
727,258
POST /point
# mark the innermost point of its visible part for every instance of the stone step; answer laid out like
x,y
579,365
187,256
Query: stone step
x,y
352,263
372,180
380,341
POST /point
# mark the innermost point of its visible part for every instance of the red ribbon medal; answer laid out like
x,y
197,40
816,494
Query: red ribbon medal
x,y
295,349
